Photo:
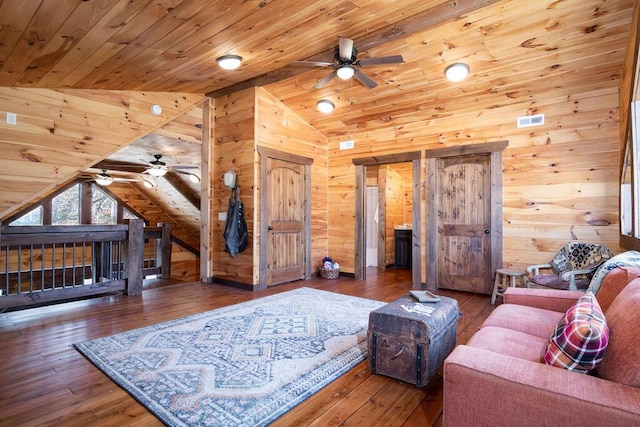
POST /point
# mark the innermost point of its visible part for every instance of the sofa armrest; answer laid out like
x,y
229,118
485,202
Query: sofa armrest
x,y
486,388
549,299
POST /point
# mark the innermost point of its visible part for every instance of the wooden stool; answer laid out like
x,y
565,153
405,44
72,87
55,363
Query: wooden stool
x,y
500,284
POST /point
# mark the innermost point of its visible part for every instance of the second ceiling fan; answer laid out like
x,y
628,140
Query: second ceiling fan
x,y
346,64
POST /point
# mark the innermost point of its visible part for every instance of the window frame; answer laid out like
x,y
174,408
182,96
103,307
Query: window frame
x,y
46,205
630,137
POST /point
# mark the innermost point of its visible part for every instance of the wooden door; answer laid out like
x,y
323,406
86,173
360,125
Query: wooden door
x,y
464,222
285,213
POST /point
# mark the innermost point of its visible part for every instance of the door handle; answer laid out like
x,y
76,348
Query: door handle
x,y
487,231
269,228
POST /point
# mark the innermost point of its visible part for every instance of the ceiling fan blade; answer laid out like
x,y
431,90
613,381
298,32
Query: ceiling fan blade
x,y
324,81
364,79
345,48
393,59
184,167
310,64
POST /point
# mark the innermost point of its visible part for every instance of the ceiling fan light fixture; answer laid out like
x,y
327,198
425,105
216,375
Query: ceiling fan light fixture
x,y
325,106
194,178
103,180
157,171
457,72
148,183
229,62
345,72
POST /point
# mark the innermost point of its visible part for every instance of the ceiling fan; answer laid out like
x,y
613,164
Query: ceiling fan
x,y
347,65
159,168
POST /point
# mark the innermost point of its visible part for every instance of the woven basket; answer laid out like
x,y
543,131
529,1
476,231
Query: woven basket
x,y
327,273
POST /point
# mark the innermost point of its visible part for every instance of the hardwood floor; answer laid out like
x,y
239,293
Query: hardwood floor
x,y
45,381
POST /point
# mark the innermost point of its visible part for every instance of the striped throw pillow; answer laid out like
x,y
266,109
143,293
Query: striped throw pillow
x,y
581,337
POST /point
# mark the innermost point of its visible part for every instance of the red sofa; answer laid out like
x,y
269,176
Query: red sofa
x,y
499,378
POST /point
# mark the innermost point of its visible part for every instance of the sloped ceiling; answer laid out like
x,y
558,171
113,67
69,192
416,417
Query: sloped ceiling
x,y
68,68
59,133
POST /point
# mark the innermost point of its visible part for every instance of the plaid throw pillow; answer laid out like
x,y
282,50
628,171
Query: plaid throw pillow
x,y
581,337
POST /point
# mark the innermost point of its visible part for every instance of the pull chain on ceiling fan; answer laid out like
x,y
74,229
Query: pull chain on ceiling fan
x,y
347,65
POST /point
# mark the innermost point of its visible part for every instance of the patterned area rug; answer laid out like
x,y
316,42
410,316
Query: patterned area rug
x,y
242,365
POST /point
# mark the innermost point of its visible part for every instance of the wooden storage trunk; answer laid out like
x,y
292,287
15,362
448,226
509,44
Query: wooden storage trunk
x,y
408,345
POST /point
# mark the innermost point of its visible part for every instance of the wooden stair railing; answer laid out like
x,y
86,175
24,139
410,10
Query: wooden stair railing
x,y
45,264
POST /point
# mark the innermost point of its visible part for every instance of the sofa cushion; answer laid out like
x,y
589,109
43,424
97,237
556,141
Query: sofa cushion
x,y
530,320
581,337
613,283
622,361
510,343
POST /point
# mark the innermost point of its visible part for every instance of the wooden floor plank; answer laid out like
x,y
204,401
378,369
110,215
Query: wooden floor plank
x,y
46,381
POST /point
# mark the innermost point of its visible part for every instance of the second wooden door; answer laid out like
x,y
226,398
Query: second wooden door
x,y
464,222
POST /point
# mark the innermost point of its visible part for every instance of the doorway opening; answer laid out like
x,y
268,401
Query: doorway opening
x,y
381,168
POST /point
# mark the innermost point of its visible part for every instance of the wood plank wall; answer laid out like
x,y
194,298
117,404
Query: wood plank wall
x,y
244,120
279,128
233,149
560,179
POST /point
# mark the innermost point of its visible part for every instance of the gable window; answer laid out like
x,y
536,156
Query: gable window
x,y
75,204
127,214
103,208
65,207
33,217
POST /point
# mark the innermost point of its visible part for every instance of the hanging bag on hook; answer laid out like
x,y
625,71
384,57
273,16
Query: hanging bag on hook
x,y
236,234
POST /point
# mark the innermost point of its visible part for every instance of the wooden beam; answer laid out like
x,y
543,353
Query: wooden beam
x,y
206,190
450,10
183,188
134,254
120,166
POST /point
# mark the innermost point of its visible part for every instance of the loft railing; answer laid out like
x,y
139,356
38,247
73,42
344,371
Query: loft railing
x,y
43,264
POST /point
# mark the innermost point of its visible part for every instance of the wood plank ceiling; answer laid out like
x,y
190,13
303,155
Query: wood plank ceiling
x,y
516,48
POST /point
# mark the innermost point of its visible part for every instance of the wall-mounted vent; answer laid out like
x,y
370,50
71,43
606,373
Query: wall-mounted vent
x,y
527,121
346,145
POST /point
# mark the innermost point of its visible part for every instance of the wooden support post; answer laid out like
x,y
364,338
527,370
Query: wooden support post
x,y
134,256
163,250
206,191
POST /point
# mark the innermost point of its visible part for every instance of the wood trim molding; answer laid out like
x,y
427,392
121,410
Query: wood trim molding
x,y
416,238
461,150
281,155
360,212
387,158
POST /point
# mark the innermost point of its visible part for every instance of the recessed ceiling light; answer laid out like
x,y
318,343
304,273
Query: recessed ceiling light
x,y
457,72
156,109
229,62
325,106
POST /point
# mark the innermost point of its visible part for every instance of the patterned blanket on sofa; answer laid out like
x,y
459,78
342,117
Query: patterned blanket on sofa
x,y
625,259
